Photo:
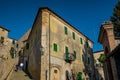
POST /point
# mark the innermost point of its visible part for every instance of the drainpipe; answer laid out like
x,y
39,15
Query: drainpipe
x,y
49,46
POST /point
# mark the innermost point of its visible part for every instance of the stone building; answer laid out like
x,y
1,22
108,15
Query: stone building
x,y
57,50
6,62
3,34
21,50
98,62
111,46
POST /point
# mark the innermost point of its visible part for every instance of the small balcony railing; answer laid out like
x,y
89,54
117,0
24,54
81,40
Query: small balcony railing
x,y
69,57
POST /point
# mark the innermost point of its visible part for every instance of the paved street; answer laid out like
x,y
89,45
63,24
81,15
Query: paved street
x,y
19,75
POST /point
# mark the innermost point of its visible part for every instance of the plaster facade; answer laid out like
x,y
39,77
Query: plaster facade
x,y
47,47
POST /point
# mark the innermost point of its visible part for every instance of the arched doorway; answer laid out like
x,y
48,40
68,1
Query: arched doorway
x,y
55,74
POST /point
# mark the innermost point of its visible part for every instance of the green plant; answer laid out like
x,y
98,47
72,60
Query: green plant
x,y
12,52
101,59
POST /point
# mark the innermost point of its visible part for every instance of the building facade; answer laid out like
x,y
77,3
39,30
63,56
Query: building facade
x,y
111,49
98,62
58,51
6,61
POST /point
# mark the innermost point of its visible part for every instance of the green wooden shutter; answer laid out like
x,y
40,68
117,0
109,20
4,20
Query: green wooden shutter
x,y
65,30
66,53
81,41
55,47
73,35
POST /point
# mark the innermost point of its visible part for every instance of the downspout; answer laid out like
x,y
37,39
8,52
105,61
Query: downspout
x,y
49,46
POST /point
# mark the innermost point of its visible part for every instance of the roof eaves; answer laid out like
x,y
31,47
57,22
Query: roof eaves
x,y
4,28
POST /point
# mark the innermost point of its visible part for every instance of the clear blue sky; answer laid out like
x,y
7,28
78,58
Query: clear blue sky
x,y
86,15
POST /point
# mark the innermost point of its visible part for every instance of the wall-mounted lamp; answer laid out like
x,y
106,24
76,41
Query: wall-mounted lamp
x,y
42,50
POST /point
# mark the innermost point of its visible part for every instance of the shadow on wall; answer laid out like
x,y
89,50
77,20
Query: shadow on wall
x,y
88,61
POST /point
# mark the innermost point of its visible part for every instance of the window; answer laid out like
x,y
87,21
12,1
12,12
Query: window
x,y
27,45
2,38
83,58
55,71
13,41
55,47
66,49
16,45
87,44
75,54
66,30
81,41
66,53
73,35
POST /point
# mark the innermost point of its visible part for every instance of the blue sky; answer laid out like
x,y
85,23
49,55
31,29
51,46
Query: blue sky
x,y
86,15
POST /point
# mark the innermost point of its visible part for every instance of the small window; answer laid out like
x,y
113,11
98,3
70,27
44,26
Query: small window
x,y
81,40
17,45
87,44
55,71
13,42
83,58
73,35
55,47
27,45
66,49
2,38
66,30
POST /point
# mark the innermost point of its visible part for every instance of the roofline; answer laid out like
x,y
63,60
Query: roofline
x,y
4,28
98,51
42,8
65,21
12,38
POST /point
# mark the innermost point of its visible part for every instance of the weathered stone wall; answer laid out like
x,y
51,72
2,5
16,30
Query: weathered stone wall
x,y
58,36
98,65
3,33
34,56
6,63
107,39
44,62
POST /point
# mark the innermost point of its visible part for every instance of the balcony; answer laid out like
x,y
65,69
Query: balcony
x,y
69,57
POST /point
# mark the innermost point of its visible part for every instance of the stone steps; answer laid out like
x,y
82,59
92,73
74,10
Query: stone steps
x,y
19,75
